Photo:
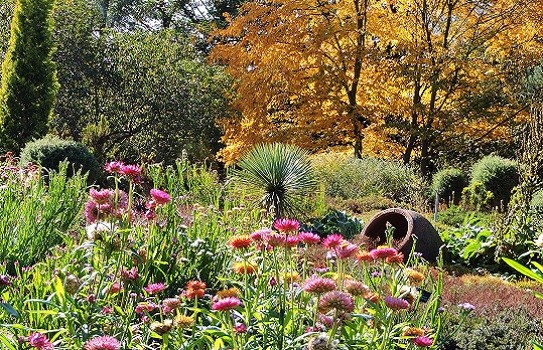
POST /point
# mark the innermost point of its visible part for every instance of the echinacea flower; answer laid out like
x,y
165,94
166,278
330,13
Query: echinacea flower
x,y
336,300
286,225
240,241
309,238
383,252
154,288
423,341
104,342
40,341
396,303
226,304
160,197
332,241
319,285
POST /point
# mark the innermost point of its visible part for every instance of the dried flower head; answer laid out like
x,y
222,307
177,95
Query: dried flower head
x,y
356,287
104,342
336,300
230,292
414,276
396,303
413,332
183,322
319,285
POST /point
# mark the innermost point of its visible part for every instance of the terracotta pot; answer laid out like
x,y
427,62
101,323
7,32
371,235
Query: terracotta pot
x,y
408,224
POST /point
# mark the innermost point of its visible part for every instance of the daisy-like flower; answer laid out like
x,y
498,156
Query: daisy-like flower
x,y
131,170
144,307
275,239
154,288
423,341
244,268
319,285
39,341
413,332
91,212
259,236
104,342
286,225
183,322
346,250
395,259
396,303
226,304
114,167
333,241
364,256
240,241
170,304
309,238
195,289
466,307
226,293
290,277
336,300
414,276
356,287
160,197
383,252
292,241
101,197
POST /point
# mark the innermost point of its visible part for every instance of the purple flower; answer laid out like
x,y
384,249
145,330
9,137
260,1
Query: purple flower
x,y
466,307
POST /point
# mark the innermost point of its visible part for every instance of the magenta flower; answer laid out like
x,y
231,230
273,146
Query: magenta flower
x,y
309,238
346,250
260,235
286,225
340,301
396,303
104,342
154,288
240,328
275,239
333,241
160,197
114,167
91,212
39,341
132,171
292,241
383,252
319,285
130,275
423,341
226,304
101,197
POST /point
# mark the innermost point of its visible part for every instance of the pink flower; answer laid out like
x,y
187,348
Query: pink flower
x,y
101,197
346,250
423,341
466,307
132,171
333,241
130,275
309,238
240,328
104,342
319,285
340,301
115,288
356,287
160,197
106,310
286,225
39,341
292,241
154,288
144,307
260,234
91,212
150,215
226,304
275,239
396,303
383,252
114,167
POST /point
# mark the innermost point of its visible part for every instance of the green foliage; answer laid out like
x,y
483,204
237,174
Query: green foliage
x,y
350,178
50,151
6,13
510,329
448,184
36,216
498,175
335,221
455,216
476,196
29,82
278,176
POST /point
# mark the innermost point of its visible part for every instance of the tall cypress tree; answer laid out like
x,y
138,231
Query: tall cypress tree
x,y
29,81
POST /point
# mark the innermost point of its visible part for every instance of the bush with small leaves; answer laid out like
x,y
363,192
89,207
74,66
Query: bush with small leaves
x,y
498,175
448,184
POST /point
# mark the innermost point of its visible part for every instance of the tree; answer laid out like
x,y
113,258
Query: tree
x,y
360,73
29,83
6,13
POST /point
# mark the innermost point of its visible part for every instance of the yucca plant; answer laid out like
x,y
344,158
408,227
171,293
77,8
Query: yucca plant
x,y
280,177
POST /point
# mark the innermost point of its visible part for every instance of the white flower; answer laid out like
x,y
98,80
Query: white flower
x,y
95,230
539,241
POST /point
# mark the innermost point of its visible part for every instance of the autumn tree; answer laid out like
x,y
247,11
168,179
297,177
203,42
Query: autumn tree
x,y
29,83
356,73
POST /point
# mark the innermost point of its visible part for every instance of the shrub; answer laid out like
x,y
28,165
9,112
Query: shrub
x,y
351,178
51,150
335,222
498,175
448,184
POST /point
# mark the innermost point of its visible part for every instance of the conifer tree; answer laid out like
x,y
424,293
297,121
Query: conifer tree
x,y
29,83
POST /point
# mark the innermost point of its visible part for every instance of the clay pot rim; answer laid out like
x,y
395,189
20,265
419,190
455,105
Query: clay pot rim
x,y
403,212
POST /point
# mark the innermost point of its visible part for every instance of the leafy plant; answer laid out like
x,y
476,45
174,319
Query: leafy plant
x,y
335,222
448,184
278,175
497,175
476,196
